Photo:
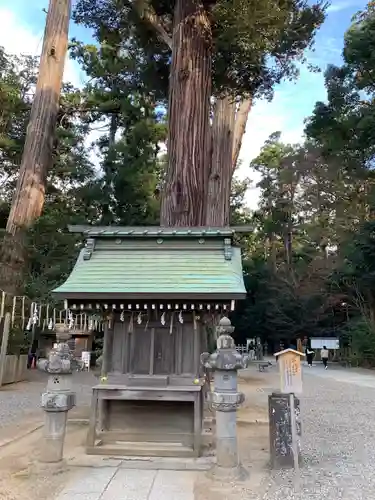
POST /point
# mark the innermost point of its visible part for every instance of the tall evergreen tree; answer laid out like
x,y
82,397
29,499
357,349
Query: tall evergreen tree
x,y
242,48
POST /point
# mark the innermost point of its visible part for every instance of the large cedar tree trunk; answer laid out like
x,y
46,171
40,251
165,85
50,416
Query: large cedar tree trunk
x,y
221,172
240,127
108,167
183,198
28,200
228,127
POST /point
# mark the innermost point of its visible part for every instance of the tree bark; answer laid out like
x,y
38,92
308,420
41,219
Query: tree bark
x,y
108,168
240,128
183,196
228,128
28,199
221,172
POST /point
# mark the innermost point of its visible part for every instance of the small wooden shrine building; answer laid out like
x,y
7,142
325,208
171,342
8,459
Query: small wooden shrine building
x,y
160,292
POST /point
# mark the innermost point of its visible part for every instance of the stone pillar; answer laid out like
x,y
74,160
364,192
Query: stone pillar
x,y
225,399
280,422
58,398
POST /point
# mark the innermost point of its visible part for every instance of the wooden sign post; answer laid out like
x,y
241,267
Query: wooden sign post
x,y
289,362
290,371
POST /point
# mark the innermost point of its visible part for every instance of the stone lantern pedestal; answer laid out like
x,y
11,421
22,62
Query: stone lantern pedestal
x,y
225,400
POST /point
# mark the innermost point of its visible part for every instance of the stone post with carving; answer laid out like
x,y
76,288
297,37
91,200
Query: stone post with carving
x,y
59,397
225,399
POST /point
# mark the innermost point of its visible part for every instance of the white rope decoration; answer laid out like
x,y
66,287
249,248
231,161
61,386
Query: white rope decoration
x,y
23,313
180,318
2,304
14,309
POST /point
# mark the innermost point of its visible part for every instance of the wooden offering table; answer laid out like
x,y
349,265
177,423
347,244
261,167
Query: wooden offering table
x,y
161,417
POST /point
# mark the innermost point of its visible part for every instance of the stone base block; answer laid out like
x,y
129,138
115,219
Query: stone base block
x,y
281,450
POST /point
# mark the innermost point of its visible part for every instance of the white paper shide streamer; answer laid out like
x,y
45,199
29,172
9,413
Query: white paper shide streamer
x,y
139,319
162,319
70,320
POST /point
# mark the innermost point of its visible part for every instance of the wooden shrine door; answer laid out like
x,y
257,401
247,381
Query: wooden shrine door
x,y
163,352
152,351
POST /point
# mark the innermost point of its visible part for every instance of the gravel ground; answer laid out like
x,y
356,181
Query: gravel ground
x,y
338,440
19,400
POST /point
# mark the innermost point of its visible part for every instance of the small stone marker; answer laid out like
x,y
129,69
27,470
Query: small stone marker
x,y
281,446
285,427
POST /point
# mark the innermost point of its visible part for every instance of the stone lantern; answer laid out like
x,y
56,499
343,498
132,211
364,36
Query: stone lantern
x,y
59,397
225,399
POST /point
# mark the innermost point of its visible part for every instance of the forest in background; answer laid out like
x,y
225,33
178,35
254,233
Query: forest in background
x,y
310,261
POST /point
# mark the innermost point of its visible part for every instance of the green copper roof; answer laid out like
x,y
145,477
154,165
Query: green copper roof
x,y
118,266
152,231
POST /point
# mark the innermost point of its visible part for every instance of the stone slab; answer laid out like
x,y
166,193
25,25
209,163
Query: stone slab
x,y
90,481
170,464
96,461
146,463
79,496
130,485
170,485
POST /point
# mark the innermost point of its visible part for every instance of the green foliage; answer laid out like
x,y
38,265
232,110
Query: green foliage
x,y
133,129
17,78
123,181
311,269
344,129
309,262
18,342
240,214
255,45
294,271
362,336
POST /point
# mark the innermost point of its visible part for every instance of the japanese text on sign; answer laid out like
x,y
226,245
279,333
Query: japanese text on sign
x,y
291,377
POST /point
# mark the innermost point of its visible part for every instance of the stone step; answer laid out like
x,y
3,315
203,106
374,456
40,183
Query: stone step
x,y
150,463
141,449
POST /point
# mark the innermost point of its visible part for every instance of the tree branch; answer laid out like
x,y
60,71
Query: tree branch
x,y
148,14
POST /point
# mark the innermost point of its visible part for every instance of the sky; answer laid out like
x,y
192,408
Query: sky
x,y
21,31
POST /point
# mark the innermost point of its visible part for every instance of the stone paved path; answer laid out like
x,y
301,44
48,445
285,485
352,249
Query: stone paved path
x,y
109,483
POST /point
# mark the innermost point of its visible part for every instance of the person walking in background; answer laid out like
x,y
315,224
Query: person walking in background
x,y
251,351
324,354
309,356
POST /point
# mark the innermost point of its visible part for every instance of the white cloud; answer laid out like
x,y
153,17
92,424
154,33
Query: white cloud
x,y
19,39
338,6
